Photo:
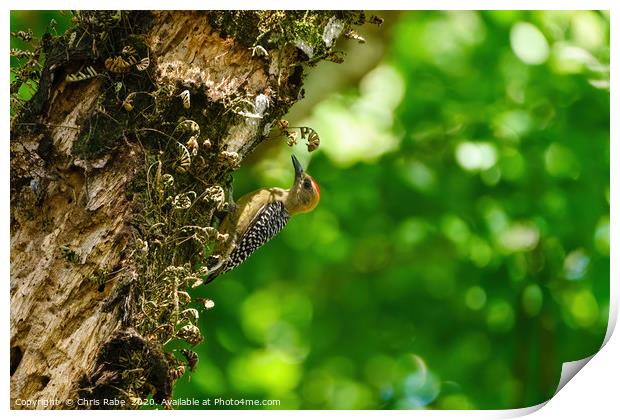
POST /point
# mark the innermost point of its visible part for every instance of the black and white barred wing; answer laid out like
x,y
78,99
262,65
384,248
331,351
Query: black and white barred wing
x,y
266,224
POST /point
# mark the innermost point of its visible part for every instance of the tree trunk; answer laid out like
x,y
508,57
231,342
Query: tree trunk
x,y
119,168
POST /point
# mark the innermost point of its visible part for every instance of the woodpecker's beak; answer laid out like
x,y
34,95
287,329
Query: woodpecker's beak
x,y
298,168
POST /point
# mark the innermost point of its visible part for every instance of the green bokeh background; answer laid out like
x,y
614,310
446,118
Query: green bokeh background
x,y
460,252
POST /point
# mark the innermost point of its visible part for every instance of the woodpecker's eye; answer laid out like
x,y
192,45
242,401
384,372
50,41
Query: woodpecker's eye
x,y
307,184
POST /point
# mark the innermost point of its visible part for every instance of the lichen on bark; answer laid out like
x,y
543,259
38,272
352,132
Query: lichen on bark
x,y
119,169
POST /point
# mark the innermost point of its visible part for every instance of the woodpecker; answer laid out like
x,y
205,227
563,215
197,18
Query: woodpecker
x,y
261,215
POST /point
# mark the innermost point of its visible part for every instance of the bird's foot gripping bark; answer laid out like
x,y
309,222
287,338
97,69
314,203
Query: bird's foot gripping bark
x,y
225,203
230,201
217,263
229,205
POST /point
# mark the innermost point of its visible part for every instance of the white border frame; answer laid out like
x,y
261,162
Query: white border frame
x,y
592,393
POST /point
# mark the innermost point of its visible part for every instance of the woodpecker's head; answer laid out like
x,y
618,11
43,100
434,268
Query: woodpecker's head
x,y
304,195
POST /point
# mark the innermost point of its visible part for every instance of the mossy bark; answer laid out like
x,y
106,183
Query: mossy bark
x,y
118,168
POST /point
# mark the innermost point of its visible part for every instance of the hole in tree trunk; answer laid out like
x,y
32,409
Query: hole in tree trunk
x,y
44,381
16,358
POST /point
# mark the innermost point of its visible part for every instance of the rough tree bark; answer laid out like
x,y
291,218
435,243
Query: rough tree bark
x,y
119,167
